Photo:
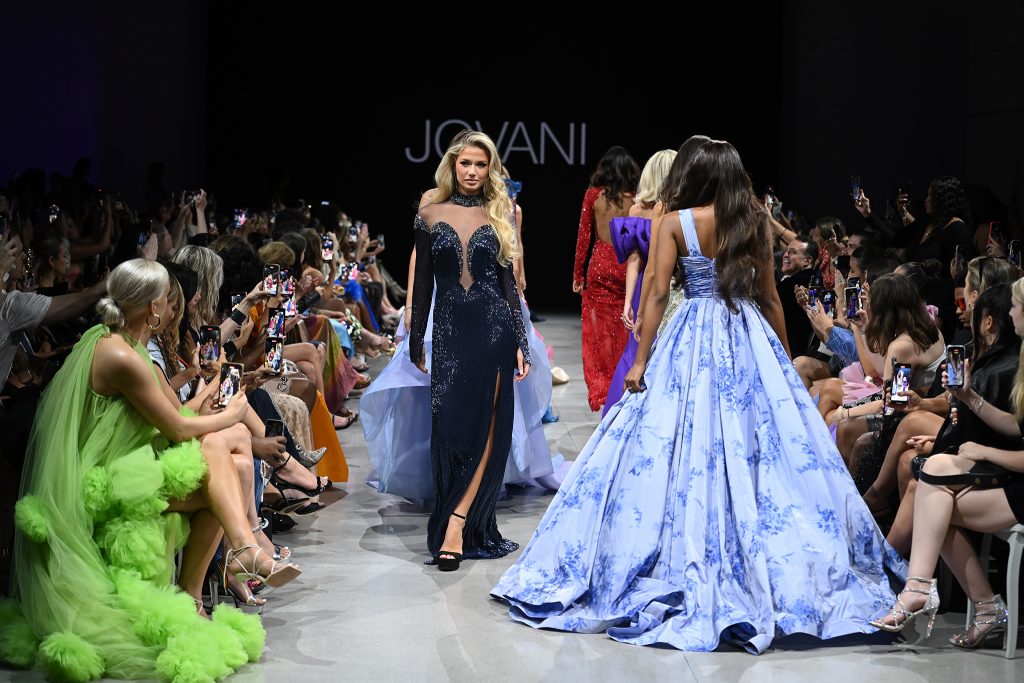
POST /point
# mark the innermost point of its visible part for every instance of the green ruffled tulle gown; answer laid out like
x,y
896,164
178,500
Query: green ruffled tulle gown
x,y
94,550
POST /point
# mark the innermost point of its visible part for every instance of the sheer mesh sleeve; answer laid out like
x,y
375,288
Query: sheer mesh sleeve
x,y
422,288
508,284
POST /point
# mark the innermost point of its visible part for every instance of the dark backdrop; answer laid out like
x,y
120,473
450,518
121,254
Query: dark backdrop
x,y
247,101
354,111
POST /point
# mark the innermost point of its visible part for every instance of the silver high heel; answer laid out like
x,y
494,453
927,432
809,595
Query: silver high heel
x,y
279,573
902,616
990,617
309,458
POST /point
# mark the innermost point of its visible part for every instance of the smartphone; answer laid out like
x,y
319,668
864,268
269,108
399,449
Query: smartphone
x,y
855,188
328,248
995,232
842,264
1013,252
237,298
241,216
955,356
852,303
144,237
54,213
900,382
828,304
209,344
958,257
271,279
380,241
813,294
275,322
289,308
769,198
230,383
274,349
903,188
274,428
287,284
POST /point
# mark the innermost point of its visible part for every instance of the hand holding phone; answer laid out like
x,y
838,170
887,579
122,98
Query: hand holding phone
x,y
956,366
230,383
900,382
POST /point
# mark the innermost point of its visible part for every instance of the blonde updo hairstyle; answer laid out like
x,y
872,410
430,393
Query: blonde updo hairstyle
x,y
131,287
498,206
654,174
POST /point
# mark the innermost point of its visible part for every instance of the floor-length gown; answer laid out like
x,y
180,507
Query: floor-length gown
x,y
629,234
477,329
604,286
713,506
395,415
94,553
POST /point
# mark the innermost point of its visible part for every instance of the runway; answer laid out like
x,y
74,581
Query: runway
x,y
367,609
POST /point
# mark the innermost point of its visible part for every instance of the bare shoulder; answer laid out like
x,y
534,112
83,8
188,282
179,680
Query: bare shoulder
x,y
427,197
670,220
659,209
903,348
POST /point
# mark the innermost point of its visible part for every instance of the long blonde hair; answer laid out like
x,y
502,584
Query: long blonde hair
x,y
209,266
169,338
498,207
1017,395
654,173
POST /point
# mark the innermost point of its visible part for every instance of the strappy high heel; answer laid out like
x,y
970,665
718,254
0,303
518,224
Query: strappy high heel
x,y
990,617
279,574
281,483
449,564
902,616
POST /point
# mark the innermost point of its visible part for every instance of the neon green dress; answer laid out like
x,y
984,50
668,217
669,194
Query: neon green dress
x,y
94,551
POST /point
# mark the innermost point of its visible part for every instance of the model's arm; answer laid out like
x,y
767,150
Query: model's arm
x,y
583,237
771,306
662,263
423,285
521,279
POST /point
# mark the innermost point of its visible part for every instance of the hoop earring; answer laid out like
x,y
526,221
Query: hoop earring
x,y
158,321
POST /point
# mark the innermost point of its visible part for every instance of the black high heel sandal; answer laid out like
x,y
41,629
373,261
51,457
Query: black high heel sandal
x,y
449,564
281,483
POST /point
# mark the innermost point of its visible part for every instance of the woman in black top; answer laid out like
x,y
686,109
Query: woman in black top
x,y
936,235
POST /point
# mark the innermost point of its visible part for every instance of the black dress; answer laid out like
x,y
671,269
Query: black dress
x,y
478,327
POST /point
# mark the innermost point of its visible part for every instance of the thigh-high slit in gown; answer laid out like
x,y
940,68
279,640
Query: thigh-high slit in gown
x,y
477,329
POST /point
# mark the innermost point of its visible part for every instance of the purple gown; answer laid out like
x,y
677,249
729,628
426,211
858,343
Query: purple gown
x,y
628,233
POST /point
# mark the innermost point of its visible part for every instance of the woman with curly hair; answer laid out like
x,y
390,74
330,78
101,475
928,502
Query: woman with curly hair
x,y
937,235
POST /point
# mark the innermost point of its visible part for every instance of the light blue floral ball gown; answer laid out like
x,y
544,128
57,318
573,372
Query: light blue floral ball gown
x,y
712,507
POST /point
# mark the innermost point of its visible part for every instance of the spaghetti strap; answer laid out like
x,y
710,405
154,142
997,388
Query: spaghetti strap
x,y
689,232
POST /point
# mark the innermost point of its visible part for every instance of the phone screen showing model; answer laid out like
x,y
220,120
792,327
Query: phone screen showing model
x,y
275,322
230,383
900,383
209,344
328,248
274,348
955,356
274,428
852,303
271,279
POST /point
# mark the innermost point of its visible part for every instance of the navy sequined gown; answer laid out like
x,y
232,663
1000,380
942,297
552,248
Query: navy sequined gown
x,y
478,327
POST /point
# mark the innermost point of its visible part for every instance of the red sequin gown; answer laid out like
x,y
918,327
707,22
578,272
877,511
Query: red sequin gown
x,y
604,291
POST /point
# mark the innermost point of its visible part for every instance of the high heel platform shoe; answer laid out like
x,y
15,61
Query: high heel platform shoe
x,y
902,616
990,617
279,574
449,564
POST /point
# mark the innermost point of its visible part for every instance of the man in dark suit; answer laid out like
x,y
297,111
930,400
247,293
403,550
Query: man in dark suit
x,y
797,268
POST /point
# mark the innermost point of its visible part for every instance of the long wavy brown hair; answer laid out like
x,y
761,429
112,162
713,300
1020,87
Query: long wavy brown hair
x,y
897,308
715,175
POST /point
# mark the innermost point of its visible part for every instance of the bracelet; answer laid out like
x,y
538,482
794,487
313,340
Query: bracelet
x,y
237,316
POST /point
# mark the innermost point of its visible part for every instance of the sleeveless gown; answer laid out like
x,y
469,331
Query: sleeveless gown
x,y
477,328
713,506
630,233
94,553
